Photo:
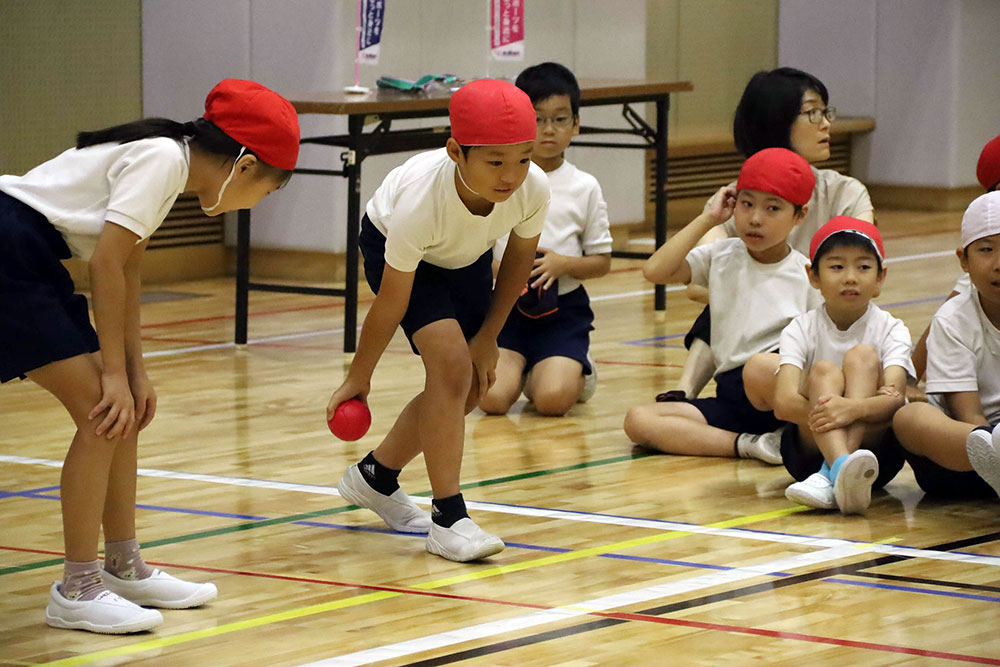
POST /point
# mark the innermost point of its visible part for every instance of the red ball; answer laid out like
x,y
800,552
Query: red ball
x,y
350,420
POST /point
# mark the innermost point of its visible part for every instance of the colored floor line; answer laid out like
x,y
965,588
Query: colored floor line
x,y
915,589
930,582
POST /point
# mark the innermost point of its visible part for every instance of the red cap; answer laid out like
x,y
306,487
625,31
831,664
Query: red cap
x,y
843,223
488,112
780,172
257,117
988,167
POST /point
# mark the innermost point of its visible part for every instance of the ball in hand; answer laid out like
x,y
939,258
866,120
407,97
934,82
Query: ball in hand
x,y
350,420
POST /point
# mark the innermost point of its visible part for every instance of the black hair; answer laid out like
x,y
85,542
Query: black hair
x,y
844,239
770,104
205,134
543,81
465,150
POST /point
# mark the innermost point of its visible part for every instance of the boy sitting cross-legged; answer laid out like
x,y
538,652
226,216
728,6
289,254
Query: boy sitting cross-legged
x,y
840,377
757,285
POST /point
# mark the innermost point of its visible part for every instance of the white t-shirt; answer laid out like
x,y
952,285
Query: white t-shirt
x,y
813,337
418,209
963,284
963,354
835,194
751,302
132,185
577,222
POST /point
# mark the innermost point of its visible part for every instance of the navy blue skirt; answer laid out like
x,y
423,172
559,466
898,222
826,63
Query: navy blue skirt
x,y
42,319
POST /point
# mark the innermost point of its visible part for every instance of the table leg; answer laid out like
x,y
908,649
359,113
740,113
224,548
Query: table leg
x,y
660,216
242,274
355,125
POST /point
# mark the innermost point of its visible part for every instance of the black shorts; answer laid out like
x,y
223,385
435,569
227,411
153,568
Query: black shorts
x,y
461,294
42,319
731,410
801,461
700,329
564,333
938,481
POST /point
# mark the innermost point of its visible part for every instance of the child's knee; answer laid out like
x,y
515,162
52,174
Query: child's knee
x,y
554,401
825,371
451,373
496,403
861,357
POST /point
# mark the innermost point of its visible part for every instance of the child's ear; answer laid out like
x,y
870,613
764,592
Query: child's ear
x,y
813,278
455,151
879,281
802,214
247,161
963,260
576,125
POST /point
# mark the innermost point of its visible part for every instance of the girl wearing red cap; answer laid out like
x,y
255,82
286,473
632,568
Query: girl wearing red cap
x,y
427,239
100,202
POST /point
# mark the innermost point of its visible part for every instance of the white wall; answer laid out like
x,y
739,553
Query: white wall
x,y
925,69
308,45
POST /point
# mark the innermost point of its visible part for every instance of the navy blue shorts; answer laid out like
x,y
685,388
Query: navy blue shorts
x,y
564,333
731,410
801,461
701,329
42,319
461,294
941,482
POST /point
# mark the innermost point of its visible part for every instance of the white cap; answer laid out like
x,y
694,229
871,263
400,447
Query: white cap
x,y
981,219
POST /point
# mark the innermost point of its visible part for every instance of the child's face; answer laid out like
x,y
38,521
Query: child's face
x,y
495,172
246,190
982,260
808,139
848,278
763,220
556,126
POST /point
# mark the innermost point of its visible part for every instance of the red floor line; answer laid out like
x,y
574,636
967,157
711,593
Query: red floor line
x,y
626,616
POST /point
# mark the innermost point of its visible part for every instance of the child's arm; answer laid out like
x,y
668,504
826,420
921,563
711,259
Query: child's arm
x,y
668,264
143,393
833,412
965,406
380,324
550,266
789,403
511,277
111,296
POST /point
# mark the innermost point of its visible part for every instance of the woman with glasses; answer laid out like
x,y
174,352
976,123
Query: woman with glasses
x,y
785,108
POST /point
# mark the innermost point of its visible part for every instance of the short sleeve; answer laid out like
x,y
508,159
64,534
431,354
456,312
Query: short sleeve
x,y
793,347
951,363
700,261
596,228
533,221
854,200
897,346
536,205
142,181
406,242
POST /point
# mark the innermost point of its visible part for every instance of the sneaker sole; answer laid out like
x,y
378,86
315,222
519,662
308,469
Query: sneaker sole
x,y
484,552
803,498
196,600
350,496
853,488
137,626
983,457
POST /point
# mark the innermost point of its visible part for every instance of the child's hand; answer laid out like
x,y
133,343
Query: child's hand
x,y
117,406
145,398
485,354
351,388
548,268
832,412
888,390
722,204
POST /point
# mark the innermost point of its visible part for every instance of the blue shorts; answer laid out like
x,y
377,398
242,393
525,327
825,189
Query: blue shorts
x,y
461,294
564,333
731,410
801,461
42,319
941,482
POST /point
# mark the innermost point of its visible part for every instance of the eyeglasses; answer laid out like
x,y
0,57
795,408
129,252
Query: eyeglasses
x,y
562,122
817,115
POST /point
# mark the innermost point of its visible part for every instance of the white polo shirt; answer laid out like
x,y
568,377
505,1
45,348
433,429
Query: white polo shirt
x,y
751,302
577,222
132,185
418,209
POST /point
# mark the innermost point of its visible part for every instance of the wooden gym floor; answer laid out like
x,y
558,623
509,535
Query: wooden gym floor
x,y
615,556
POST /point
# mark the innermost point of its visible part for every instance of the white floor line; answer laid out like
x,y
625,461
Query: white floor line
x,y
562,613
567,515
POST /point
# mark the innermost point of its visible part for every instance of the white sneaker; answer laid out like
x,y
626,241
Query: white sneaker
x,y
589,382
853,487
108,613
984,455
160,590
463,542
815,491
398,511
765,447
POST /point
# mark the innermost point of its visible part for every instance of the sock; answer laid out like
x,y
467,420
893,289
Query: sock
x,y
446,511
825,470
382,479
81,581
740,445
122,559
835,468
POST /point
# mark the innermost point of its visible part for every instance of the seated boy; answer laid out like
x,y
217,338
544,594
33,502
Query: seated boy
x,y
545,351
757,285
841,375
949,441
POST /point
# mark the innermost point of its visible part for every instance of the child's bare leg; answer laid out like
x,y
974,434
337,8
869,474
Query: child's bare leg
x,y
827,379
507,388
925,430
698,369
678,428
555,384
862,375
760,380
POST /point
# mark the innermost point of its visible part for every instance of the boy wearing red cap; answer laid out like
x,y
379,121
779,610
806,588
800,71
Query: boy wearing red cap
x,y
427,239
840,377
757,285
951,442
100,202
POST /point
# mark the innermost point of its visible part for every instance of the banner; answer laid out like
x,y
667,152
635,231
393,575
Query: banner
x,y
370,17
507,29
